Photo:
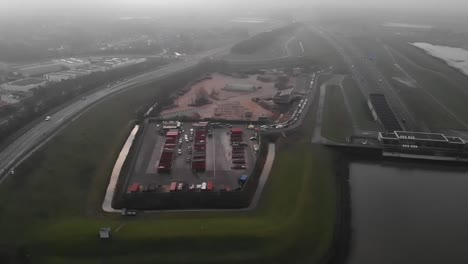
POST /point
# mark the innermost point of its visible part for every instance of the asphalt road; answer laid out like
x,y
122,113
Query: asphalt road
x,y
371,80
39,134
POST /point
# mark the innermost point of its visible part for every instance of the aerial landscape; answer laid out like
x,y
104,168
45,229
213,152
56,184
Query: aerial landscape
x,y
233,131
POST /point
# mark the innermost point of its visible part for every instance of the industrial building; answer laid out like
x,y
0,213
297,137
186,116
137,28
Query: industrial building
x,y
283,97
122,62
423,143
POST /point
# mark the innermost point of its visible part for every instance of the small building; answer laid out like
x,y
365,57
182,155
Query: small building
x,y
105,233
283,97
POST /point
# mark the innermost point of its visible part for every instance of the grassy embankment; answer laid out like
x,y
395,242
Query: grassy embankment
x,y
336,124
51,208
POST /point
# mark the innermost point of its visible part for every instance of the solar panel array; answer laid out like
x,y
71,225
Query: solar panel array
x,y
384,112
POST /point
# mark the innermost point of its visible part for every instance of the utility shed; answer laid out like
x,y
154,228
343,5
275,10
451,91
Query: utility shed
x,y
105,233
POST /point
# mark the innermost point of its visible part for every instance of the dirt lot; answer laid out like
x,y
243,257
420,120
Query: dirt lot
x,y
228,105
218,159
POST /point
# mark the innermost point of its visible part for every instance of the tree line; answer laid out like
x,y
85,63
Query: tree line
x,y
262,40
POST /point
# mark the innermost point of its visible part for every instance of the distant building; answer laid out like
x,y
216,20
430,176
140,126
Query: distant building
x,y
283,97
266,78
167,125
240,88
72,63
40,69
122,62
72,74
24,85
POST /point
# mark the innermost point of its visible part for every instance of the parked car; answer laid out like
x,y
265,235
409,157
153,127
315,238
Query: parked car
x,y
179,151
47,118
152,187
180,186
191,187
188,160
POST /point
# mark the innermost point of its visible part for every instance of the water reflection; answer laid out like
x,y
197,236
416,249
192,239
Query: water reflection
x,y
408,215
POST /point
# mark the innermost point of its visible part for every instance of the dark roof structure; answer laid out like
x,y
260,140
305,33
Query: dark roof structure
x,y
384,112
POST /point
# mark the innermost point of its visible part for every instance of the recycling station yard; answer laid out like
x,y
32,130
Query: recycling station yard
x,y
173,156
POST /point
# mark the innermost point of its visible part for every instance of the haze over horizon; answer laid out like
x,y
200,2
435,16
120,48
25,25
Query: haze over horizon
x,y
6,5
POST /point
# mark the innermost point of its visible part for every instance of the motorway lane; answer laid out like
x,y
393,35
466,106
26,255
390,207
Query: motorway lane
x,y
370,80
45,130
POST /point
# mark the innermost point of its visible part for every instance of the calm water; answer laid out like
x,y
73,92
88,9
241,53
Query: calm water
x,y
455,57
408,215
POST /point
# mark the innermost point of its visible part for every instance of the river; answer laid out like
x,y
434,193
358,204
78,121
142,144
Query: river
x,y
408,214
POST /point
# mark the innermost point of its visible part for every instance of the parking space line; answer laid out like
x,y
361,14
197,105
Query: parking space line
x,y
214,155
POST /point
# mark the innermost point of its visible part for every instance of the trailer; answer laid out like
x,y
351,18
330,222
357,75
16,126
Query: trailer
x,y
173,187
210,186
134,188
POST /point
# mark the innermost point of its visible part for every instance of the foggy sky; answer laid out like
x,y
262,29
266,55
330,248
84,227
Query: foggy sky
x,y
41,4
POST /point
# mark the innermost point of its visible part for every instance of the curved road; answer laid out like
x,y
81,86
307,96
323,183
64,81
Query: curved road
x,y
39,134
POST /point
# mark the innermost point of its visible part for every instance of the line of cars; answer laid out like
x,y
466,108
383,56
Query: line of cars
x,y
180,186
293,119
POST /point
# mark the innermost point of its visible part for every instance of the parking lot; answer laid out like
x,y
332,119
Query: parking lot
x,y
210,150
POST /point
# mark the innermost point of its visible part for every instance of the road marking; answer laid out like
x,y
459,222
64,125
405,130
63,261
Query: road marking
x,y
214,156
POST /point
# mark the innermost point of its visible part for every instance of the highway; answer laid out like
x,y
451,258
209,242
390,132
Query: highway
x,y
370,80
39,134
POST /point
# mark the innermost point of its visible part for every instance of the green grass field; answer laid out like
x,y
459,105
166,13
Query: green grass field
x,y
336,124
51,208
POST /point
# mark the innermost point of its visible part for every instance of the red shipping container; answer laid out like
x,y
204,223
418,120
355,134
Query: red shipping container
x,y
210,186
134,187
173,187
236,131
